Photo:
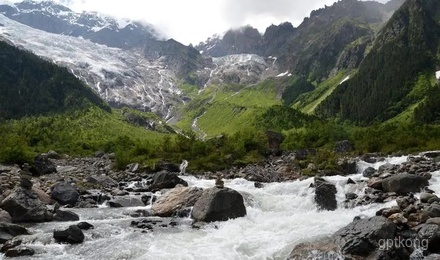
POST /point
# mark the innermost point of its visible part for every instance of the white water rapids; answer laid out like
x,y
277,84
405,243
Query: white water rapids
x,y
279,216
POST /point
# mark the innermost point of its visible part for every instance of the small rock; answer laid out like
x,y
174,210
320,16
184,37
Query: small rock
x,y
350,181
85,225
10,244
433,210
369,172
125,202
425,197
351,196
61,215
375,183
9,231
258,185
435,221
19,251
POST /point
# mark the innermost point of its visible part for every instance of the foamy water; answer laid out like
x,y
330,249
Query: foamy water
x,y
279,216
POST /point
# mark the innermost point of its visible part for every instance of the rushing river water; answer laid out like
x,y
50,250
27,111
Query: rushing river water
x,y
279,216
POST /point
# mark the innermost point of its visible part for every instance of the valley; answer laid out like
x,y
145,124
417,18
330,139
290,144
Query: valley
x,y
289,129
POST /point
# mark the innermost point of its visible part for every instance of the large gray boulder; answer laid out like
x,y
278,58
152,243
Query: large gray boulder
x,y
404,183
65,193
166,180
218,204
176,201
362,237
23,205
325,194
9,231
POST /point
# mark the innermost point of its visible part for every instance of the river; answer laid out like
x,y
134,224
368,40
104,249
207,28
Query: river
x,y
279,216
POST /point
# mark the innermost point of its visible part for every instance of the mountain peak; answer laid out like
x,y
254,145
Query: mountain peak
x,y
52,17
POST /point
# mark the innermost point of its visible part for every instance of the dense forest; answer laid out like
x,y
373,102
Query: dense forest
x,y
405,49
32,86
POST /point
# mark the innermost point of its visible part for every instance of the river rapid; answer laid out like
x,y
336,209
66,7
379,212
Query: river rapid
x,y
279,216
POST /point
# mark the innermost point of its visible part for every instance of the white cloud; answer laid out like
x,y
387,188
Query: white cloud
x,y
192,21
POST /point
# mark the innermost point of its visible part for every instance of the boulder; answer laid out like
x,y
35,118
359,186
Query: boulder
x,y
431,234
102,180
404,183
322,249
425,197
19,251
9,231
10,244
369,172
72,235
43,165
42,196
166,180
65,193
123,202
362,237
375,183
433,210
176,200
65,215
435,221
325,194
5,217
23,205
218,205
348,166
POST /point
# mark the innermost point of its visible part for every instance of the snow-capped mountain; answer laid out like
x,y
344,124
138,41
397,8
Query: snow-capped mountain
x,y
123,61
120,77
54,18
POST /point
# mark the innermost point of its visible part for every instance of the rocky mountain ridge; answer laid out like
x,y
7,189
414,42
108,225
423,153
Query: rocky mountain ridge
x,y
333,38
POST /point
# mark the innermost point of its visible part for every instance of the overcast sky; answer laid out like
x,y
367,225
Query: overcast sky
x,y
192,21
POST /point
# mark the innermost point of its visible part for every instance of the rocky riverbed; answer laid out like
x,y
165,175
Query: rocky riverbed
x,y
81,202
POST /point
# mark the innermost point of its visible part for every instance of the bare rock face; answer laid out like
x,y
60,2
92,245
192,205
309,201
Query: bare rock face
x,y
176,201
217,204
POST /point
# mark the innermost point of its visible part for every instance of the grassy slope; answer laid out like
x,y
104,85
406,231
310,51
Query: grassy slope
x,y
307,102
80,133
229,109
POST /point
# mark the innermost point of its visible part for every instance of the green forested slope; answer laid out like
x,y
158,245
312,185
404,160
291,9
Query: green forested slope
x,y
32,86
405,49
